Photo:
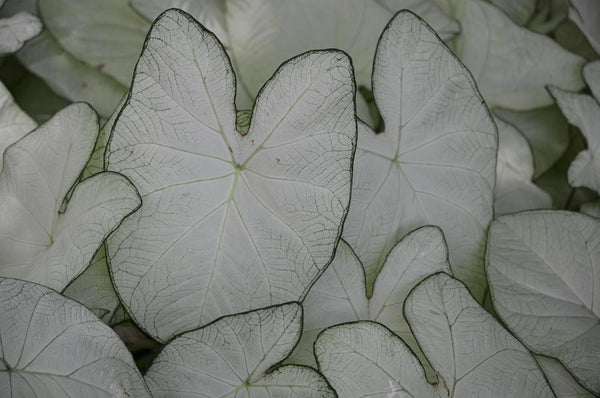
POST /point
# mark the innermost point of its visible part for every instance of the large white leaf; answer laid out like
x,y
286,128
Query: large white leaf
x,y
562,382
234,357
16,30
364,359
511,64
14,123
51,346
544,272
473,354
40,240
228,222
586,13
339,295
583,111
546,130
107,35
435,162
514,190
68,76
264,33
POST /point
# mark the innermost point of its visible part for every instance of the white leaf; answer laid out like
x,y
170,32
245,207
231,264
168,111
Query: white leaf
x,y
514,190
264,33
563,384
435,162
519,11
365,359
16,30
51,346
94,289
586,13
544,272
44,57
231,358
107,35
511,64
40,241
14,123
473,353
546,130
228,222
339,295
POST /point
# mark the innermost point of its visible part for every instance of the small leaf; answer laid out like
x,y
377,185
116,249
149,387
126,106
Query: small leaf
x,y
40,240
544,272
233,356
473,353
54,347
365,359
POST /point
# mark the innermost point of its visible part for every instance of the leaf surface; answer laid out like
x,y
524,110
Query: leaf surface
x,y
563,383
232,357
14,123
51,346
16,30
544,272
585,13
435,162
228,222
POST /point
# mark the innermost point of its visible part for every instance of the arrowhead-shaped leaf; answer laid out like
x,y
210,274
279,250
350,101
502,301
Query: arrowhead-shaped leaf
x,y
229,222
339,295
51,346
544,272
435,162
472,352
40,240
233,357
365,359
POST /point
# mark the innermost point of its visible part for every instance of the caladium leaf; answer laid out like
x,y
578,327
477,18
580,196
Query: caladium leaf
x,y
584,112
339,295
40,240
544,270
586,13
473,354
435,162
54,347
514,190
14,123
546,130
233,357
498,53
264,33
16,30
363,359
562,382
229,222
520,11
94,289
107,35
44,57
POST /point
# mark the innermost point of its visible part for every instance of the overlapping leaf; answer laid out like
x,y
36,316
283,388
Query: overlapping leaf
x,y
585,13
228,222
51,346
435,162
16,30
544,272
234,357
14,123
562,382
473,354
41,240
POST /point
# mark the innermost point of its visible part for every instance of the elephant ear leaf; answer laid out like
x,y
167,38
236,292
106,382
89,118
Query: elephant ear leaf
x,y
231,221
235,356
51,346
51,228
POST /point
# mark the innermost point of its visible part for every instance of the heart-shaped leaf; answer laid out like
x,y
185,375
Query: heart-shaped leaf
x,y
229,222
51,346
473,354
435,161
234,357
41,240
544,271
365,359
